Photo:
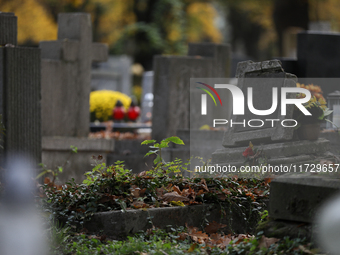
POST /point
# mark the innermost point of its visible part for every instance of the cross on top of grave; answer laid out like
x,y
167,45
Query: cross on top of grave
x,y
74,41
66,76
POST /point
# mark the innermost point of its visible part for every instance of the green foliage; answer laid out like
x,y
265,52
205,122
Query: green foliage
x,y
161,167
157,241
57,170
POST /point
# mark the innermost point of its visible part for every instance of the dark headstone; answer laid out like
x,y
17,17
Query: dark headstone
x,y
318,54
290,65
8,28
20,94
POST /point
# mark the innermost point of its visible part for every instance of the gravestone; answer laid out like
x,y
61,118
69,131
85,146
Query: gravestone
x,y
294,196
262,76
66,79
115,74
317,57
279,143
172,84
19,93
66,76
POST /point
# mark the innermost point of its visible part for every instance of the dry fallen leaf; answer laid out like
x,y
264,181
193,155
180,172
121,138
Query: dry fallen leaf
x,y
305,250
174,196
135,191
192,247
176,188
182,236
265,242
160,191
138,204
204,185
142,174
213,227
197,236
223,241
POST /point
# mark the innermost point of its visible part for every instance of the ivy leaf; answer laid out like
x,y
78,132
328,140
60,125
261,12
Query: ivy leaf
x,y
157,160
174,139
151,152
148,142
163,144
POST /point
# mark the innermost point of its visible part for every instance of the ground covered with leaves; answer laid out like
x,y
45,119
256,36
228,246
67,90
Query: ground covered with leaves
x,y
182,240
108,188
114,188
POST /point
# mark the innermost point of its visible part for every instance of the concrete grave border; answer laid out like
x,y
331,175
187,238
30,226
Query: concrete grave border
x,y
118,225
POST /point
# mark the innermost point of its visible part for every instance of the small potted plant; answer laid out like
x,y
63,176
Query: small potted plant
x,y
308,127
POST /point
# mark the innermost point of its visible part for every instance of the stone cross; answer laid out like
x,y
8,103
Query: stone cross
x,y
66,76
19,93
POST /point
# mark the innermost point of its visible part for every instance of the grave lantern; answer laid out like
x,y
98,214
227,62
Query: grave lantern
x,y
334,104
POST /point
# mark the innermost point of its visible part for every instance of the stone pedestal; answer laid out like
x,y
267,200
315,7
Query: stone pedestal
x,y
296,197
57,152
290,154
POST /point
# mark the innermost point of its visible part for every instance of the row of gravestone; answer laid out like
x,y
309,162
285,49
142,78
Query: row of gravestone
x,y
65,78
64,73
44,97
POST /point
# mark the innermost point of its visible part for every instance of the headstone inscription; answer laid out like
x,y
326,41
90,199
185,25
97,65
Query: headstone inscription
x,y
19,93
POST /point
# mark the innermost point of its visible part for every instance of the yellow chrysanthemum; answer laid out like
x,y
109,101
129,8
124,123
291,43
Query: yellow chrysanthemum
x,y
102,103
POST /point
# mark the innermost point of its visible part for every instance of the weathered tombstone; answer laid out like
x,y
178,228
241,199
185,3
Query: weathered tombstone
x,y
19,92
115,74
172,84
65,79
297,197
293,197
277,142
262,76
66,76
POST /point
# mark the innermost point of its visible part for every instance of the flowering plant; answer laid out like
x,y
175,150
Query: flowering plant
x,y
102,103
317,106
254,155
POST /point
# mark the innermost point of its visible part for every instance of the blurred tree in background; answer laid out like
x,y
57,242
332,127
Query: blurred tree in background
x,y
140,28
143,28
